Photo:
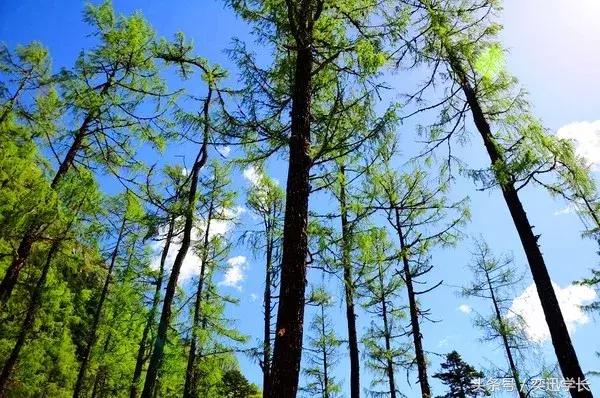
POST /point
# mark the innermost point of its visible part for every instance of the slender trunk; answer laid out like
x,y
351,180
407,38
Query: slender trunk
x,y
563,347
102,375
387,336
509,355
97,314
139,363
28,321
190,389
96,383
287,350
349,292
165,316
325,359
414,315
266,361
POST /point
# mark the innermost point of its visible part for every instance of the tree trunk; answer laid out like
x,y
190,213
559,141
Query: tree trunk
x,y
287,351
28,321
165,316
563,347
325,359
139,363
98,313
266,361
509,355
387,336
190,389
414,315
349,292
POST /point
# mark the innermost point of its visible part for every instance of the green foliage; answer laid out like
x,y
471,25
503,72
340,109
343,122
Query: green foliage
x,y
235,385
460,377
323,349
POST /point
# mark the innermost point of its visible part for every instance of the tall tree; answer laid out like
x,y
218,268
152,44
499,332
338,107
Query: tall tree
x,y
217,202
323,347
382,288
493,277
266,199
131,213
169,209
85,202
178,53
422,217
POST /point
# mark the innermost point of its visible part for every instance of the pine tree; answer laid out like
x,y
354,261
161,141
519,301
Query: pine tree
x,y
382,288
83,201
492,278
169,209
323,347
460,377
235,385
266,199
422,218
217,202
131,213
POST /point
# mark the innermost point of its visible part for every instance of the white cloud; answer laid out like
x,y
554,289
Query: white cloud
x,y
251,174
235,273
253,297
192,261
465,309
570,208
224,150
586,138
570,299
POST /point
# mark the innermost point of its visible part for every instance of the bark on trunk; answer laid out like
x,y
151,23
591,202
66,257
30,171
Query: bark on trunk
x,y
266,361
290,315
414,315
98,314
563,347
190,389
325,358
165,317
349,292
387,335
140,360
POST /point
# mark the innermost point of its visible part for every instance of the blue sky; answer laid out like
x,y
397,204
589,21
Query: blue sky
x,y
553,50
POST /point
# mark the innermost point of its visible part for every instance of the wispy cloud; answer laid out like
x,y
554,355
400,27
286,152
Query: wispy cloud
x,y
235,273
571,298
224,150
465,309
570,208
251,174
